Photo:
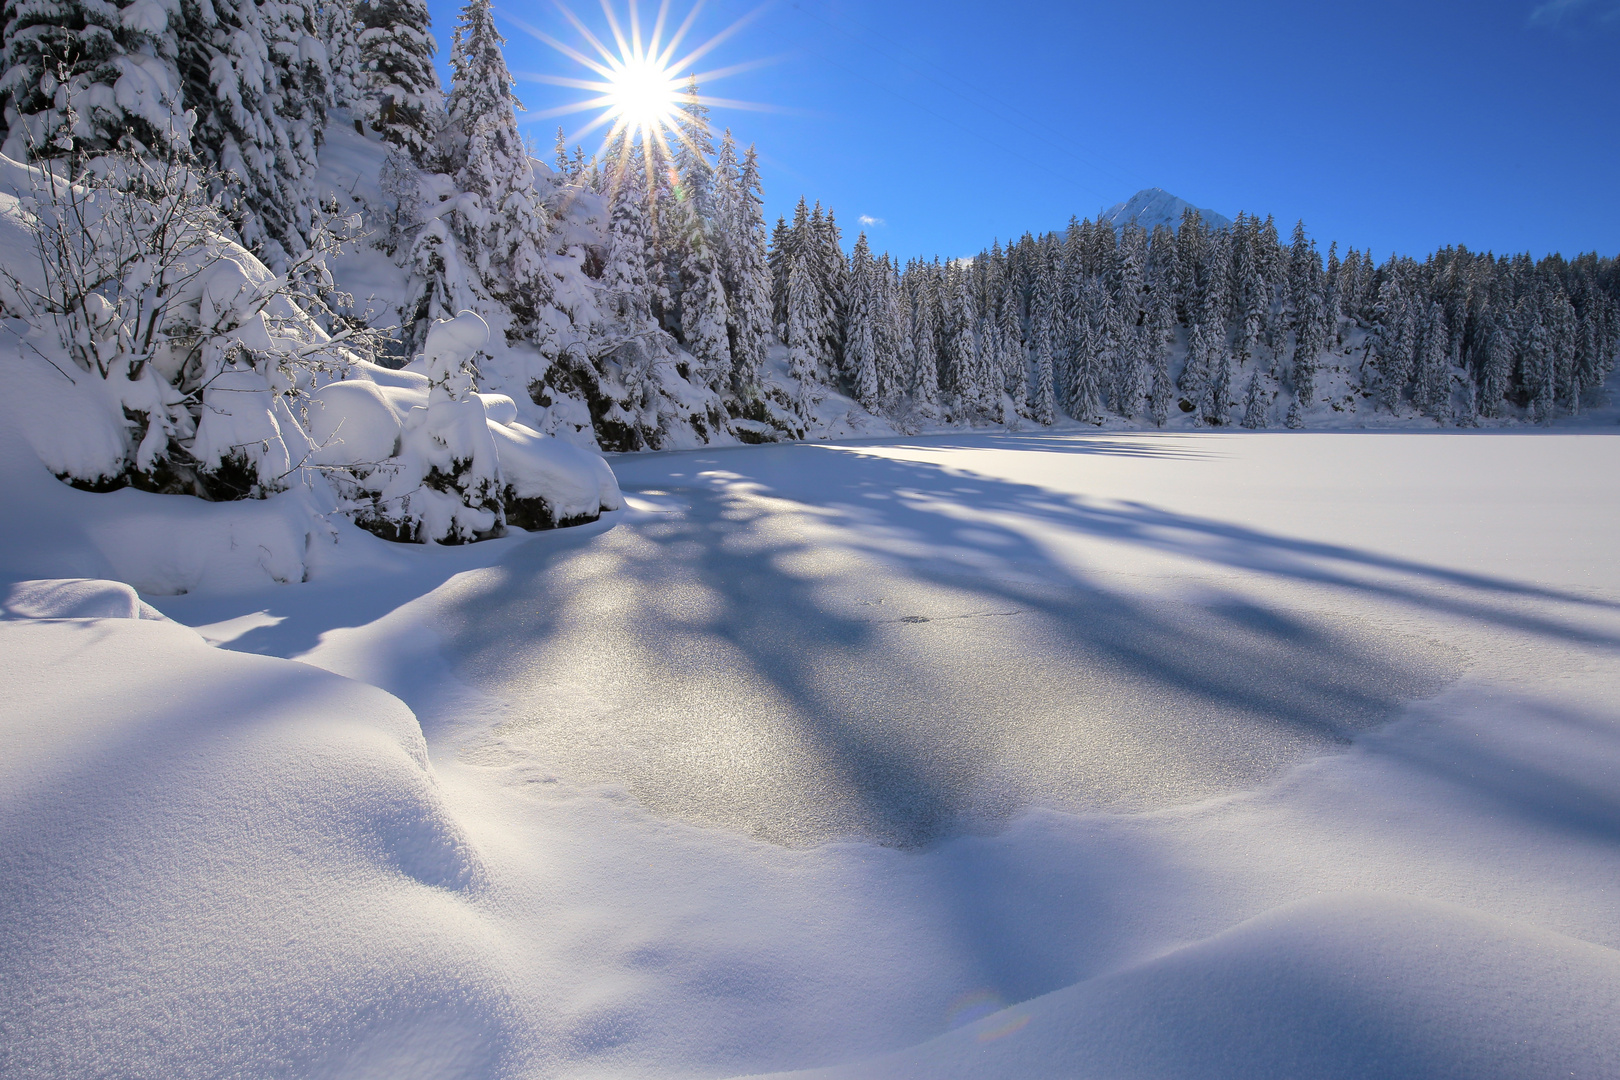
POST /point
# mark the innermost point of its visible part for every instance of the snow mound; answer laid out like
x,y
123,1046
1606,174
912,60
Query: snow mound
x,y
1346,985
219,864
74,598
1152,207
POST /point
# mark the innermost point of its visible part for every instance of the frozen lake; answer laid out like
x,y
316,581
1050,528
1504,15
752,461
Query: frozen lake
x,y
1208,755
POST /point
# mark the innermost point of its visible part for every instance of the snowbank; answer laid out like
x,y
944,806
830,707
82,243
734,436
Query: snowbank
x,y
1354,985
239,865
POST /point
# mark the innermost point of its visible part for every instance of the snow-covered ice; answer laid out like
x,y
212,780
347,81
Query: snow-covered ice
x,y
1190,755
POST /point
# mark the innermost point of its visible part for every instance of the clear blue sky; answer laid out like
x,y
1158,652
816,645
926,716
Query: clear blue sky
x,y
1401,126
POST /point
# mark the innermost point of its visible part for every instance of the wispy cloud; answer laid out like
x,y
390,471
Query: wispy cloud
x,y
868,220
1557,13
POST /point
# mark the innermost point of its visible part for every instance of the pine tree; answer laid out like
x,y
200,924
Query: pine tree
x,y
860,358
1393,338
257,117
803,333
1496,372
480,143
1433,368
625,274
1254,410
402,98
340,37
1013,352
1308,337
925,345
1160,329
1218,398
750,296
86,77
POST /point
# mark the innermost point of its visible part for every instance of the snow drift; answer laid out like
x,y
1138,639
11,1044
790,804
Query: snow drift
x,y
241,865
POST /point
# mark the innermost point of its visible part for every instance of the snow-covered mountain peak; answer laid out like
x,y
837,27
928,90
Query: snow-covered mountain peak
x,y
1152,207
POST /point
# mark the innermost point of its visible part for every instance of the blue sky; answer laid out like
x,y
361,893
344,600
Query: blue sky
x,y
1401,126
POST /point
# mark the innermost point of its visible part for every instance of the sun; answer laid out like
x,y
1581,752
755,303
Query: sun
x,y
642,96
643,81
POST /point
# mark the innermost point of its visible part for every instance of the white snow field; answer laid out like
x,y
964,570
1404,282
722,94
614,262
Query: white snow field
x,y
988,755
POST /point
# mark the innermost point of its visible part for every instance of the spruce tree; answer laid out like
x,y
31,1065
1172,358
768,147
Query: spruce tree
x,y
341,38
81,77
1254,410
257,117
480,144
401,96
860,358
803,333
750,297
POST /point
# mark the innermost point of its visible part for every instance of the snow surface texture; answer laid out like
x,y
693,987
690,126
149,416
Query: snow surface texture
x,y
215,862
1152,207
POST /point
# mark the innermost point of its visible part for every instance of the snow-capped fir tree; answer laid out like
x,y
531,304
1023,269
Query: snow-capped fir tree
x,y
726,193
1215,396
860,353
834,277
1536,360
560,151
1432,371
704,310
803,333
1159,335
959,352
779,258
401,98
624,276
1310,330
894,349
1014,355
1197,371
1128,361
257,118
925,343
624,279
749,293
80,76
1045,311
694,146
1393,340
340,38
505,234
1254,409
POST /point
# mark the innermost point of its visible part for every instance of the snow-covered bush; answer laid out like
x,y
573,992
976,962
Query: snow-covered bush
x,y
192,369
200,348
421,455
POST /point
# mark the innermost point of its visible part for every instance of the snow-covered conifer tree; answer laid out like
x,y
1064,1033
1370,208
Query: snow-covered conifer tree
x,y
1432,374
1393,338
860,354
82,76
1254,410
480,143
803,333
340,37
750,295
257,117
402,98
